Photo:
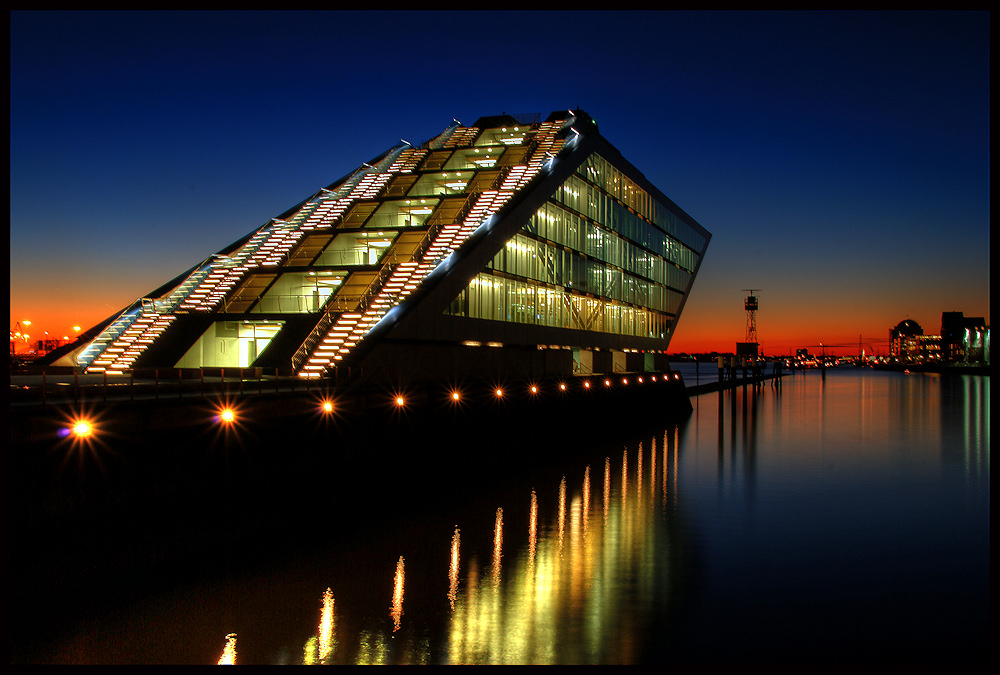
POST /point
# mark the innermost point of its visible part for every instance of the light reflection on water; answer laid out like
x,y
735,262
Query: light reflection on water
x,y
558,598
833,519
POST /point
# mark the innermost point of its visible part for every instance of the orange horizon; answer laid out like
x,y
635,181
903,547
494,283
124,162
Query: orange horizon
x,y
695,333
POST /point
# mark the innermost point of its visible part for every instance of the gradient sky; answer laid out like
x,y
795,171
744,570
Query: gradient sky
x,y
839,159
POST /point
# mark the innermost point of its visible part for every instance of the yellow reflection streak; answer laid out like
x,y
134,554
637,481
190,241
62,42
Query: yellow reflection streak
x,y
228,657
561,595
607,487
624,477
561,591
497,546
666,457
562,511
326,642
453,570
372,649
652,470
397,596
532,529
638,471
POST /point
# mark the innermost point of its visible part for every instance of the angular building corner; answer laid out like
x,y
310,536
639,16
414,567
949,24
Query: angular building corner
x,y
510,247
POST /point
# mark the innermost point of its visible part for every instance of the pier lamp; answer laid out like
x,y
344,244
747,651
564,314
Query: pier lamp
x,y
499,392
400,401
534,389
327,407
586,384
562,386
82,428
607,383
227,415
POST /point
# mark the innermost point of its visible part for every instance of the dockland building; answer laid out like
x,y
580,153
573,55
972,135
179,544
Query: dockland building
x,y
517,246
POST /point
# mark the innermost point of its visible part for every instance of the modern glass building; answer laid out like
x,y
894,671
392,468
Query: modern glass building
x,y
514,245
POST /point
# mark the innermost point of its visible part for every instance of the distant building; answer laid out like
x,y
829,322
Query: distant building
x,y
515,246
964,339
908,344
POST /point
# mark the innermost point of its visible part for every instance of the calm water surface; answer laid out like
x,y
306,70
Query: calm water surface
x,y
832,519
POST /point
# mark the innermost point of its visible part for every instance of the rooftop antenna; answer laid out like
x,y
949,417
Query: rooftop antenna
x,y
751,306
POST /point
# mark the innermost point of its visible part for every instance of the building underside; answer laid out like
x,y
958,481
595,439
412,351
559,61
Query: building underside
x,y
512,246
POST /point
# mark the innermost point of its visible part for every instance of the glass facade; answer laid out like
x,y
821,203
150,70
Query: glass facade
x,y
601,255
230,344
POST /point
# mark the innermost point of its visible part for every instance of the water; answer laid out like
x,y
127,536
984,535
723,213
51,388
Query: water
x,y
697,372
834,519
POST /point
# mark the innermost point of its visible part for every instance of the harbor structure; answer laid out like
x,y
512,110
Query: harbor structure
x,y
515,245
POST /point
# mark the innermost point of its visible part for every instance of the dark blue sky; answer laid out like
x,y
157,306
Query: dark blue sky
x,y
840,159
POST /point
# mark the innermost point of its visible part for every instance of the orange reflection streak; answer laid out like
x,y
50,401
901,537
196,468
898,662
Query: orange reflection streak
x,y
586,498
397,596
326,627
607,487
624,477
652,469
497,546
228,657
533,528
638,470
562,511
453,569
